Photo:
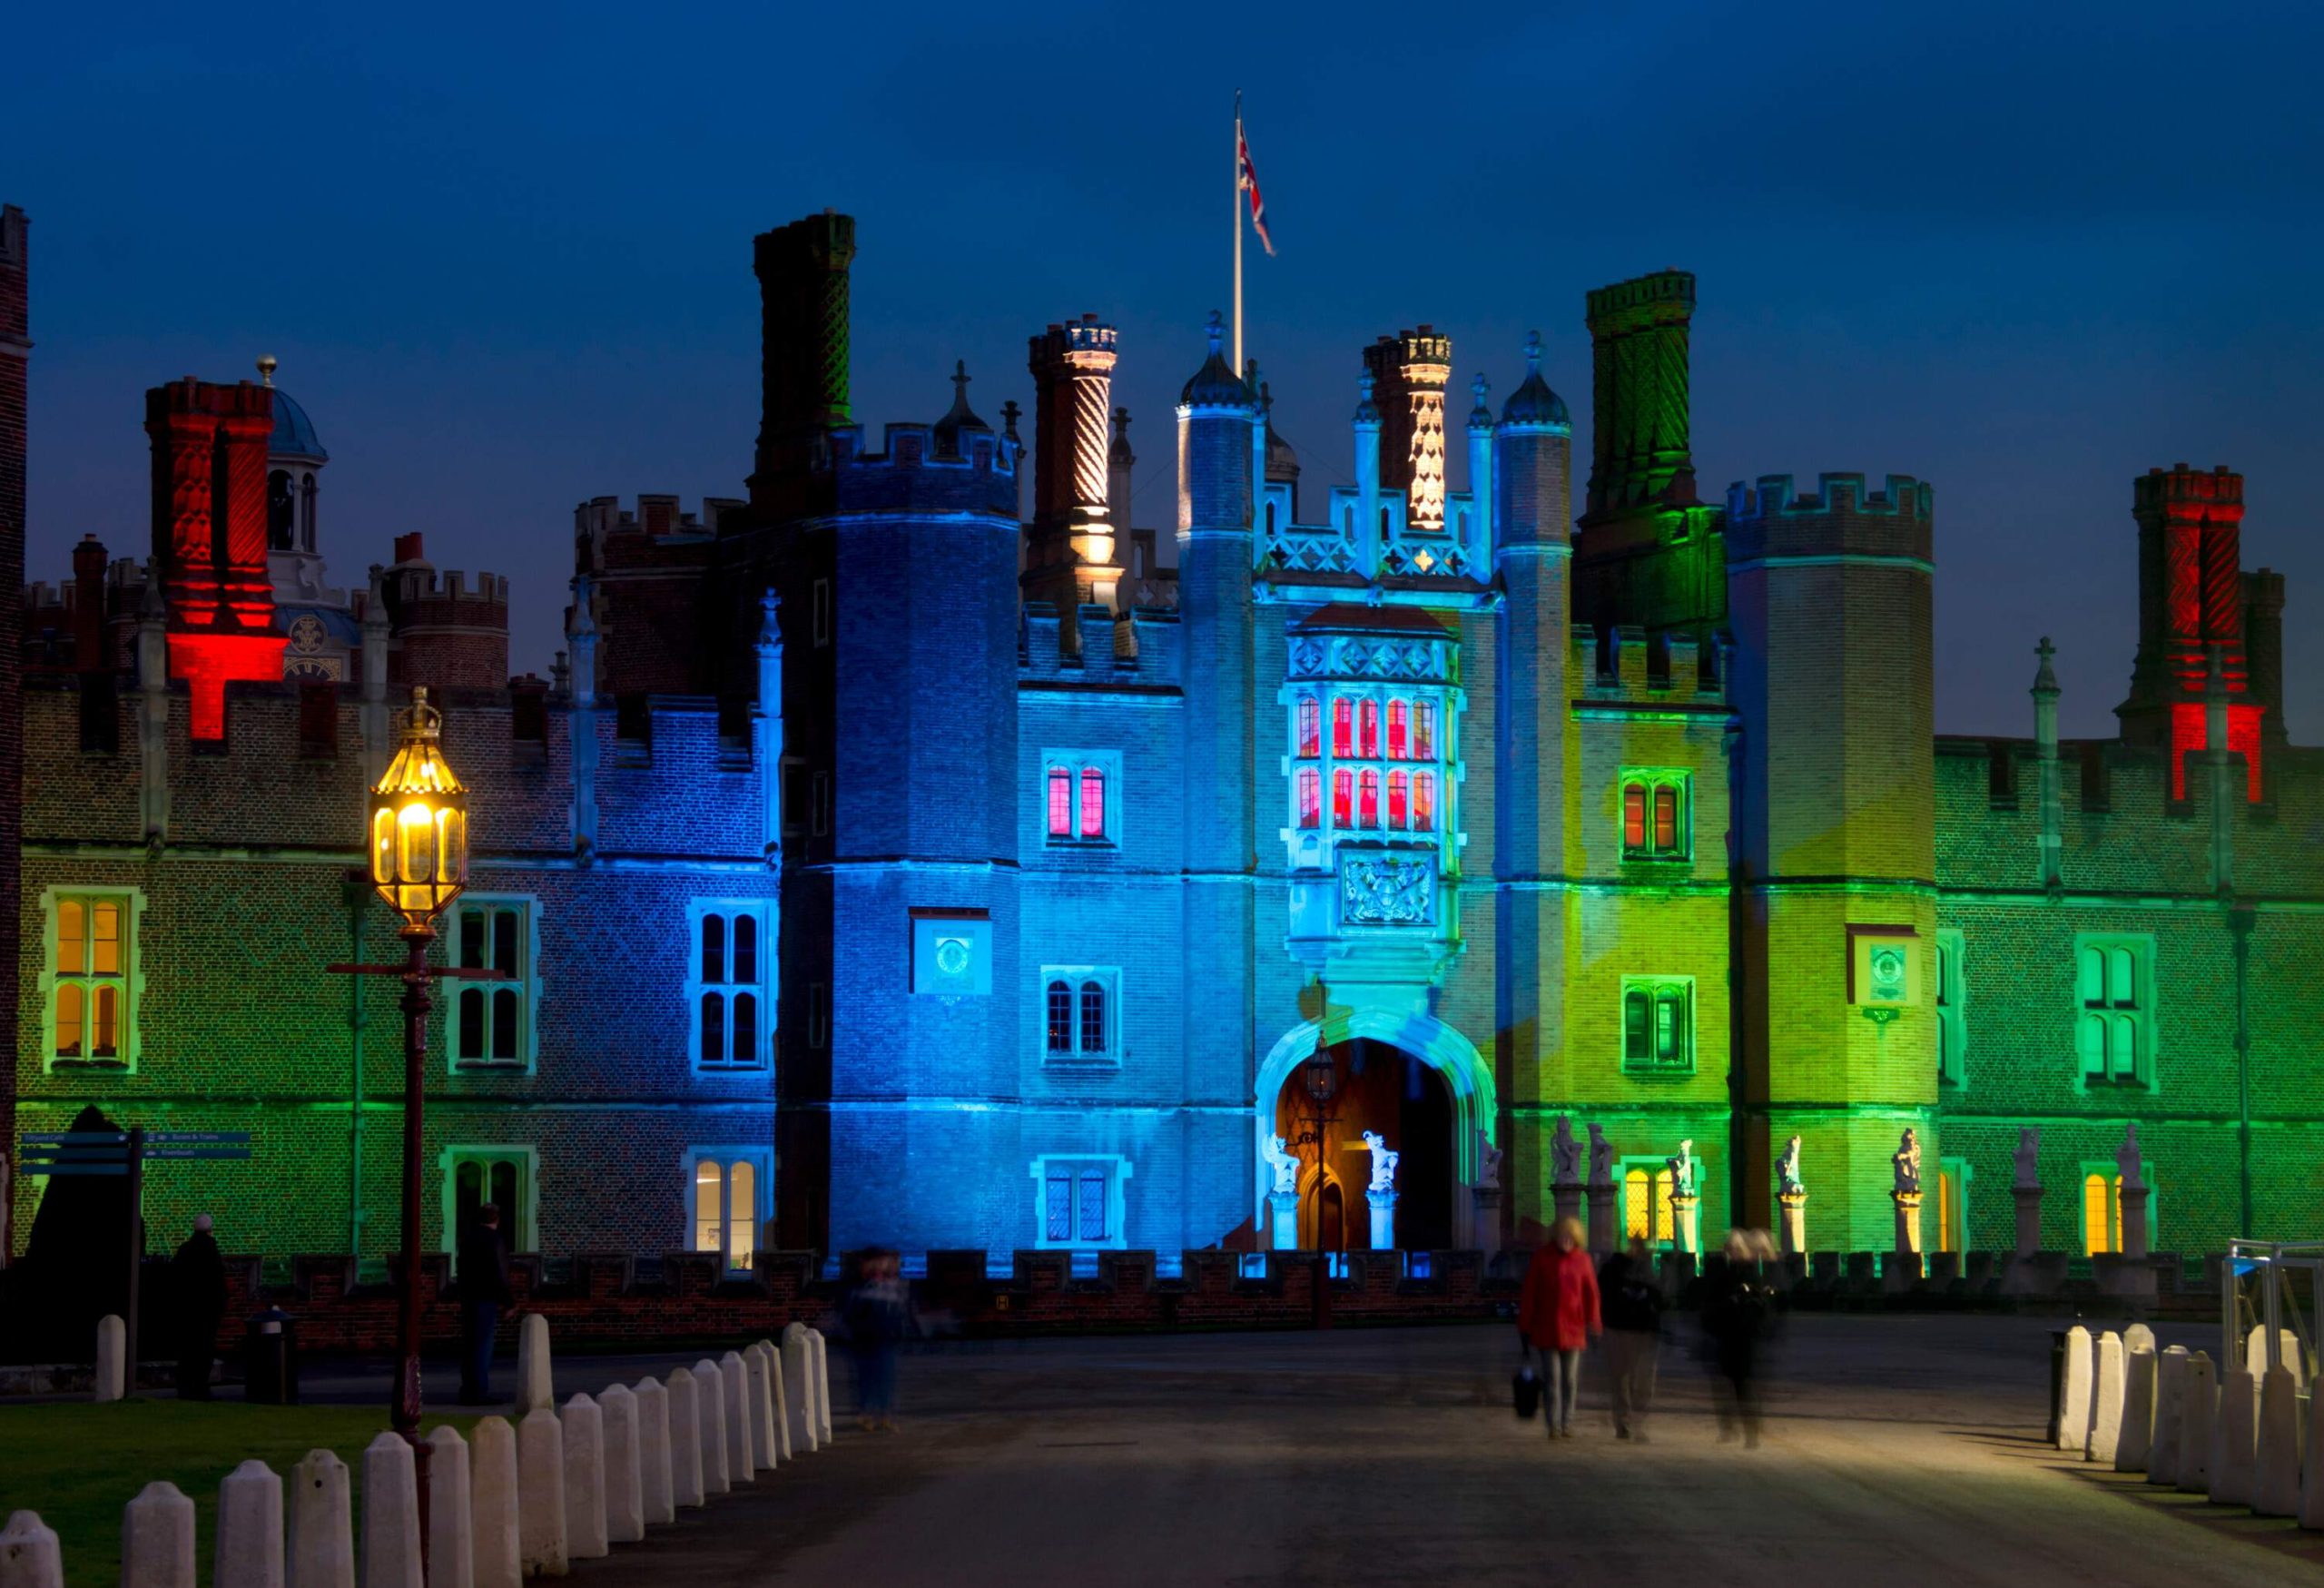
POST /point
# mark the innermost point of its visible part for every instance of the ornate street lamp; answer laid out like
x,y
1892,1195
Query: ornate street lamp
x,y
1320,1076
417,840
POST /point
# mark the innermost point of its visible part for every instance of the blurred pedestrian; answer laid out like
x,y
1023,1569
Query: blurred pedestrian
x,y
483,1291
1556,1315
198,1285
876,1315
1632,1298
1737,1315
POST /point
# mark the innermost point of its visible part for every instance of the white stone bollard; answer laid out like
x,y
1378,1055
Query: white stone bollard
x,y
2275,1480
541,1495
2255,1351
451,1512
391,1516
685,1438
742,1454
822,1358
535,1392
321,1540
781,1401
2198,1409
494,1550
2138,1412
584,1480
2106,1400
113,1348
2170,1410
624,1473
2073,1409
655,1491
157,1539
796,1389
248,1550
29,1556
2136,1339
2235,1439
766,1451
2312,1476
710,1415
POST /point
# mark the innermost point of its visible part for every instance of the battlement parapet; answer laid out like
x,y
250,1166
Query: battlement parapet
x,y
1411,358
1658,298
656,515
1625,663
2184,492
914,472
1085,336
1835,494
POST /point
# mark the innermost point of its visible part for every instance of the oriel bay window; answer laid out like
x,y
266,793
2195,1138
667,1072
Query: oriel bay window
x,y
1424,801
1398,711
1343,728
1342,799
91,984
1398,800
730,990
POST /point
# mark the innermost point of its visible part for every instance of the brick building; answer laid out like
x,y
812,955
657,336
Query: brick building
x,y
916,850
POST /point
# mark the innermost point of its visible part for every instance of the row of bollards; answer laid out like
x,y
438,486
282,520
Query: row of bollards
x,y
518,1501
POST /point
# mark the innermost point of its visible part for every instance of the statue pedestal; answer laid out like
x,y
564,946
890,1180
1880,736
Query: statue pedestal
x,y
1384,1219
1566,1198
1282,1220
1605,1217
1904,1266
2134,1223
1684,1215
2029,1220
1486,1228
1794,1206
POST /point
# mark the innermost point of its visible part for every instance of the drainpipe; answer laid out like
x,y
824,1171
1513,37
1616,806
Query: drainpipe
x,y
357,888
2239,925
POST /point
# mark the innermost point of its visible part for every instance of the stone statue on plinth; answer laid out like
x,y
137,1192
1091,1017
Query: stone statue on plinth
x,y
1383,1162
1682,1170
1488,1164
1787,1170
1565,1154
1907,1159
2029,1153
2128,1162
1601,1156
1284,1166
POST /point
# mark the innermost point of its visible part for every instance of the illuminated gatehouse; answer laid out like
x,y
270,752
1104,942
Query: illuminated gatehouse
x,y
918,852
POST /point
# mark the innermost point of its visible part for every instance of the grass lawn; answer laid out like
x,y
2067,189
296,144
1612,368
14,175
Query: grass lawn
x,y
78,1464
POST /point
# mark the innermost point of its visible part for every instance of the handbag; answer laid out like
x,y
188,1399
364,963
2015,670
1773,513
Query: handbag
x,y
1525,1392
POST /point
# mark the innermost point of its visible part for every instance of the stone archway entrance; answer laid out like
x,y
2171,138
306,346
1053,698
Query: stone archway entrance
x,y
1417,1081
1395,1093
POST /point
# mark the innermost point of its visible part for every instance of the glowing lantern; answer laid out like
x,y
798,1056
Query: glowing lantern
x,y
419,822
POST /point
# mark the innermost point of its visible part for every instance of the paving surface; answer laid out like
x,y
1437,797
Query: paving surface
x,y
1898,1451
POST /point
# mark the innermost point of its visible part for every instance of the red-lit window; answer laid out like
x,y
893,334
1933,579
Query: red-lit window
x,y
1060,803
1424,801
1311,797
1398,711
1396,783
1666,819
1343,728
1371,799
1425,731
1342,799
1093,803
1371,730
1311,726
1634,816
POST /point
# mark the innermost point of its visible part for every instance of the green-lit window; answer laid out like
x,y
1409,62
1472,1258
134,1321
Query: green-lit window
x,y
1658,1023
1951,1027
1657,815
2115,1010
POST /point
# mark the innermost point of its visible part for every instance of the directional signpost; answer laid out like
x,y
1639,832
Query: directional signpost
x,y
115,1154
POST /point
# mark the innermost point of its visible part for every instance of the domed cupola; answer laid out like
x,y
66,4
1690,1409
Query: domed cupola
x,y
1533,403
294,455
961,419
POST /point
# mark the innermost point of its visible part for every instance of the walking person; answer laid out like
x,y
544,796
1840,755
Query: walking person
x,y
1737,1316
1556,1315
1633,1308
198,1282
876,1315
483,1291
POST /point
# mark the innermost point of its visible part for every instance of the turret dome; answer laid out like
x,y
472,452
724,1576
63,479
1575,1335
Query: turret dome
x,y
1214,385
1533,403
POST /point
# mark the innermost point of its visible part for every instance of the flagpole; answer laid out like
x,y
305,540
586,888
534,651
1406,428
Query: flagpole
x,y
1238,233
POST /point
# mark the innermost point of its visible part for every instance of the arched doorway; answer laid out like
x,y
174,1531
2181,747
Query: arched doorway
x,y
1417,1081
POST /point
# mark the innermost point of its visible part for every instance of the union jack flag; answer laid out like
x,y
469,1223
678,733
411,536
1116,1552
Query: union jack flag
x,y
1248,177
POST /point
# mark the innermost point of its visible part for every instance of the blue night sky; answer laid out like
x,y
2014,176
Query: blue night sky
x,y
2023,252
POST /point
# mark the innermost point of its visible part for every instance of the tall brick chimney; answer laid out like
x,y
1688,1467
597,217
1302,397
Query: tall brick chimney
x,y
802,272
15,350
1639,433
1071,553
1409,372
2191,609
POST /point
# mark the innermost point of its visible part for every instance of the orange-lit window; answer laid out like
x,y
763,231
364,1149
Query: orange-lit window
x,y
1424,801
1398,715
729,1203
1311,797
89,978
2102,1214
1311,726
1666,819
1342,727
1425,731
1397,785
1634,816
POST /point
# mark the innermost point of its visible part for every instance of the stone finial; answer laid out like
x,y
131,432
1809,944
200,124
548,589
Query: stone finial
x,y
2046,682
1008,412
1215,329
1479,417
1367,412
267,365
1532,352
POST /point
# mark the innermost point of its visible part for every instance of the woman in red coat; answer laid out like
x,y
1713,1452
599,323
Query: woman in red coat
x,y
1556,1315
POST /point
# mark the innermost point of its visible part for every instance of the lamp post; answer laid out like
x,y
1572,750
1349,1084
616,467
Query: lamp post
x,y
417,839
1320,1076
